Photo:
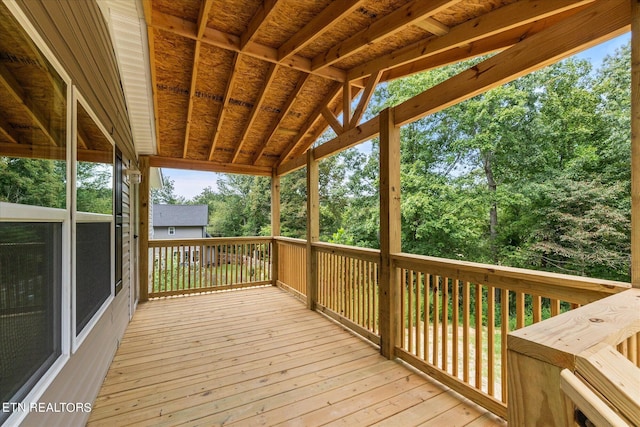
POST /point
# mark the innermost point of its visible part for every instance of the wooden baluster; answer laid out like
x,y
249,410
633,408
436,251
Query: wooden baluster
x,y
491,322
466,297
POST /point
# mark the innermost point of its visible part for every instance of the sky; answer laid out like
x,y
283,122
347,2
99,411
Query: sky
x,y
191,183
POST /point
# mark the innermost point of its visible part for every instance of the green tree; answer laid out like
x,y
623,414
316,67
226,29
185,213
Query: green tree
x,y
166,194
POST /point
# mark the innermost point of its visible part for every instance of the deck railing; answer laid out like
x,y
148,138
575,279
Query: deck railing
x,y
453,317
582,345
347,280
200,265
292,265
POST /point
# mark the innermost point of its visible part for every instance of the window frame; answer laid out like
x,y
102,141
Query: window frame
x,y
78,337
11,212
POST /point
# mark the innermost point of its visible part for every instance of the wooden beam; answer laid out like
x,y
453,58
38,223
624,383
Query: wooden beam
x,y
390,234
291,165
386,26
348,139
257,21
143,209
333,92
496,22
332,120
225,105
366,98
209,166
433,26
283,112
319,25
313,137
271,74
30,151
275,204
346,105
30,106
313,228
275,227
202,25
5,129
635,143
587,28
227,41
491,44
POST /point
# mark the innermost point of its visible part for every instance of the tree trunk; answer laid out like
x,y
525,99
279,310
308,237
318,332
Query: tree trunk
x,y
493,213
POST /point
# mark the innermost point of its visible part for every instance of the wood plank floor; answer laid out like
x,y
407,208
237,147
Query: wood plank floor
x,y
259,357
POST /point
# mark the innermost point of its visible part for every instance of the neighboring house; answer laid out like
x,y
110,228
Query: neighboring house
x,y
181,222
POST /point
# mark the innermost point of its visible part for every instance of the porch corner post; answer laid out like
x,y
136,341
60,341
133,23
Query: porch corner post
x,y
313,227
143,207
275,226
390,233
635,143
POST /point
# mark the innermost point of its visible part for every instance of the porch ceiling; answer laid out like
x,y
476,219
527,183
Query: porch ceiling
x,y
247,85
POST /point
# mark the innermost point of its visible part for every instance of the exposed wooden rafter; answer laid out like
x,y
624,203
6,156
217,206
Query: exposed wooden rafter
x,y
496,22
332,120
202,24
386,26
322,23
287,43
604,19
5,129
433,26
225,105
30,106
226,41
258,20
333,92
365,98
491,44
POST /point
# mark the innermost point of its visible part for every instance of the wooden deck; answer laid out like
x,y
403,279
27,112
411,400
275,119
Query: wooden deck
x,y
259,357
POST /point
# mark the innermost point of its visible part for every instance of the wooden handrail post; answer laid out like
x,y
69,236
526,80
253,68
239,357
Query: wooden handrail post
x,y
275,226
635,143
390,233
313,227
143,207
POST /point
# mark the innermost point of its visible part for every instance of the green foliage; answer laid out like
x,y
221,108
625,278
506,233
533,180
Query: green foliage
x,y
35,182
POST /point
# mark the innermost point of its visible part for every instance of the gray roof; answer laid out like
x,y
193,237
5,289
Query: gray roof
x,y
180,215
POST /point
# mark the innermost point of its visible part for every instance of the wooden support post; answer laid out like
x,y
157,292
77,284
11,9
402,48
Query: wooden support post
x,y
635,143
275,226
143,209
389,315
346,105
313,227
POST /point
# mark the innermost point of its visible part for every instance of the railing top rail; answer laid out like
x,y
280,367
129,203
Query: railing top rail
x,y
559,339
291,240
206,241
577,289
351,251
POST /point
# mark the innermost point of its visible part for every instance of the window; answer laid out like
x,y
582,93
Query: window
x,y
33,184
30,304
172,231
93,273
95,207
